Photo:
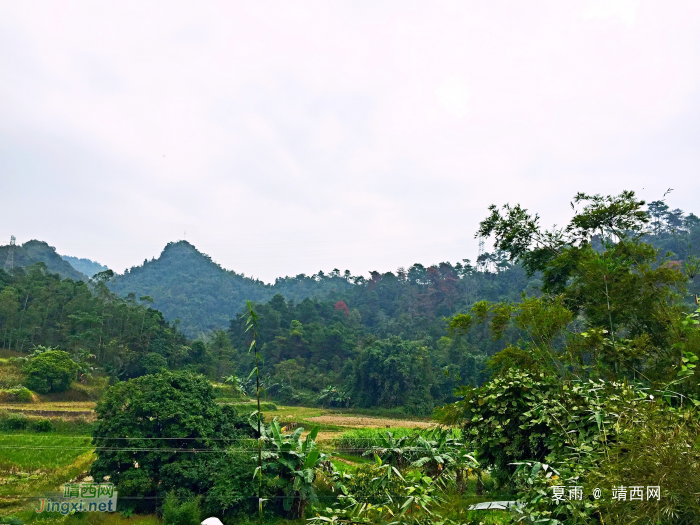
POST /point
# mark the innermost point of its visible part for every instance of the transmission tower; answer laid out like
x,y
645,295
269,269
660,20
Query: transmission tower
x,y
480,262
10,262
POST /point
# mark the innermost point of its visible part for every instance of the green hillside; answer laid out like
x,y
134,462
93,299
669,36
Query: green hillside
x,y
85,266
593,370
186,284
34,251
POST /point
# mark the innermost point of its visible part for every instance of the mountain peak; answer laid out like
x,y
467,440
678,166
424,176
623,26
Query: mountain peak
x,y
187,285
34,251
182,248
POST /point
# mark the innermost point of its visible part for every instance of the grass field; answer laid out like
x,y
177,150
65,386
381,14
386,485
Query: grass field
x,y
21,484
30,452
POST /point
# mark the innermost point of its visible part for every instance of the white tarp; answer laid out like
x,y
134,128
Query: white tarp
x,y
492,505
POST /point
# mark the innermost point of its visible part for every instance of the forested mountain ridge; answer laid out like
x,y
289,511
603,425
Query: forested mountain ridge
x,y
186,284
85,266
34,251
382,340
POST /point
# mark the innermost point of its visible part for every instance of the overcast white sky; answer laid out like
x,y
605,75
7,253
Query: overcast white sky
x,y
293,136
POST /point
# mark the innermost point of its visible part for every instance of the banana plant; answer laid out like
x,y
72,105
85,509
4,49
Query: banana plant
x,y
393,451
331,396
421,495
436,452
292,463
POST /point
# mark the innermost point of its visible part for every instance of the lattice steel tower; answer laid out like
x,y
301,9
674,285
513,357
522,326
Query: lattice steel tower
x,y
10,262
480,263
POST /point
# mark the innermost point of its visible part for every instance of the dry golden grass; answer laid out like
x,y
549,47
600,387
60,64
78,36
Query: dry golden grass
x,y
324,437
367,422
65,406
10,374
64,409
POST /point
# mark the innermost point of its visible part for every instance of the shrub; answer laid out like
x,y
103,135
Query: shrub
x,y
521,416
247,408
43,425
14,421
51,371
233,488
11,520
226,391
181,513
22,394
18,394
656,446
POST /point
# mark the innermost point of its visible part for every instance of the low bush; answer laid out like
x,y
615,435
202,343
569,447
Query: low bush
x,y
42,425
658,446
75,426
18,394
11,375
13,421
11,520
227,391
233,491
176,512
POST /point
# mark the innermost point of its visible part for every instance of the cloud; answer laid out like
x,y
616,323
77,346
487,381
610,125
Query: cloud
x,y
625,10
453,95
291,137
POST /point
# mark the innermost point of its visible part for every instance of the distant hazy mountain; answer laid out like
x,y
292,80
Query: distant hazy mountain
x,y
85,266
186,284
32,252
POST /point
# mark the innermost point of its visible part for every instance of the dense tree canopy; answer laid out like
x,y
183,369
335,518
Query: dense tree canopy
x,y
177,437
51,371
326,337
600,384
38,308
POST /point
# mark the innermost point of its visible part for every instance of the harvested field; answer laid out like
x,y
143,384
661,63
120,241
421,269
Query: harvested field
x,y
58,406
89,415
65,409
367,422
323,437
